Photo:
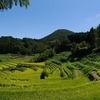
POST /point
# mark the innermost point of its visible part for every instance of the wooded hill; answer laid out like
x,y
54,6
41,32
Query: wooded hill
x,y
60,40
59,34
29,46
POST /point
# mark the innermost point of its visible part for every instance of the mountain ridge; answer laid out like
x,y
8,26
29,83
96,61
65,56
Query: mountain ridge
x,y
59,34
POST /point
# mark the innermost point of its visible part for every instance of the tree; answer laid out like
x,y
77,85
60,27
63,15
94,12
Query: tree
x,y
92,38
98,27
7,4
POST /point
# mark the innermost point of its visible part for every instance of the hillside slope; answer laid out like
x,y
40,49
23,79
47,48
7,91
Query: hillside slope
x,y
57,35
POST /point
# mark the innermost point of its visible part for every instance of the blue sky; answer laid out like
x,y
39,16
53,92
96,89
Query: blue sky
x,y
45,16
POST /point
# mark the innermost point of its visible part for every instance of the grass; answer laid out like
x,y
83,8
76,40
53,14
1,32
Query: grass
x,y
80,89
27,85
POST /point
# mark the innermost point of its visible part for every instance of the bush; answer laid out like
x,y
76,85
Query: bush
x,y
49,53
43,74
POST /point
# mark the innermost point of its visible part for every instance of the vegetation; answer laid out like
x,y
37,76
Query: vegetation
x,y
7,4
59,41
25,46
47,54
59,34
61,77
59,68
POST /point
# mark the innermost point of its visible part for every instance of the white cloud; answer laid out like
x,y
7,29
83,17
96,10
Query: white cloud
x,y
93,18
97,16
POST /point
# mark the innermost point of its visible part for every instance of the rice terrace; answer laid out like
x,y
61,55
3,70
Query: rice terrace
x,y
61,65
21,80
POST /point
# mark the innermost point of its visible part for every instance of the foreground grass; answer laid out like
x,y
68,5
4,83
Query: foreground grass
x,y
27,85
87,91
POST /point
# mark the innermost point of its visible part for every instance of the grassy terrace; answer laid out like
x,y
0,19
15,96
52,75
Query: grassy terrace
x,y
27,85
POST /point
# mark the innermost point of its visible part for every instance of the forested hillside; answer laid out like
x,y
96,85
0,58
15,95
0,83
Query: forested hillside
x,y
61,66
25,46
58,41
59,34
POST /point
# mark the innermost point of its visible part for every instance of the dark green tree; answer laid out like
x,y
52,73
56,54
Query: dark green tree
x,y
43,74
98,27
7,4
92,38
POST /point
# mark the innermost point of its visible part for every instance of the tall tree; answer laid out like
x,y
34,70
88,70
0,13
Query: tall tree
x,y
7,4
98,27
92,38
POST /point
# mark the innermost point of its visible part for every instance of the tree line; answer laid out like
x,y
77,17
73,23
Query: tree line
x,y
74,42
25,46
79,44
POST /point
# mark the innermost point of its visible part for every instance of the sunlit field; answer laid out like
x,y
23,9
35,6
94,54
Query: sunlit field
x,y
25,83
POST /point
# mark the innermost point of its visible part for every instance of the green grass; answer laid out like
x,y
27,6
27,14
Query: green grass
x,y
54,89
27,85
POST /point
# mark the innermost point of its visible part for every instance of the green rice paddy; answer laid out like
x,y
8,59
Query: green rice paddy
x,y
26,84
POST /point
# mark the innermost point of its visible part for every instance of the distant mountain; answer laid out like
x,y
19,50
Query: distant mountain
x,y
59,34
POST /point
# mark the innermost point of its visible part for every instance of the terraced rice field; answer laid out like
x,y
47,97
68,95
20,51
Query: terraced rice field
x,y
65,81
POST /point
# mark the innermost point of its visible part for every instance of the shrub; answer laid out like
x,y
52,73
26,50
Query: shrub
x,y
43,74
49,53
